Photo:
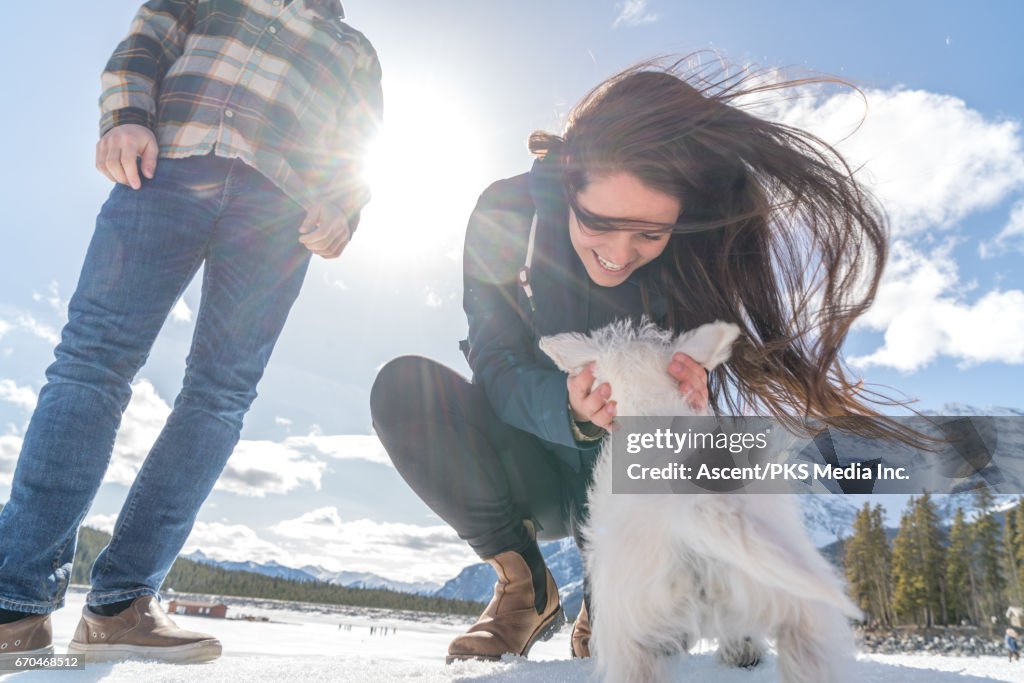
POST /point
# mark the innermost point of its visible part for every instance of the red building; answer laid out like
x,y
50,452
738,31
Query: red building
x,y
196,608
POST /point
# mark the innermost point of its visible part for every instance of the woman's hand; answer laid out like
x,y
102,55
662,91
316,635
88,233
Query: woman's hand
x,y
590,404
692,379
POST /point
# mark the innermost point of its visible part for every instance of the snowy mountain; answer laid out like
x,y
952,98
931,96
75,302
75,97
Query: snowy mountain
x,y
271,568
827,518
476,582
368,580
311,573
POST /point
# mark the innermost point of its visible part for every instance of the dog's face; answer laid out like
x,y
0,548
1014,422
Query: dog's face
x,y
634,361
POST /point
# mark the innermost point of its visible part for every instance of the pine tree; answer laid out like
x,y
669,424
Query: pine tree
x,y
918,560
1018,546
881,566
856,560
1010,563
957,570
988,556
932,552
908,582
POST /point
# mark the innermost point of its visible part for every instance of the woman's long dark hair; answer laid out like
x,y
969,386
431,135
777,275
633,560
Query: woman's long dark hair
x,y
775,234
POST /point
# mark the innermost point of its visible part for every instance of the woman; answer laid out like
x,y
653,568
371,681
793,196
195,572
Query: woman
x,y
666,198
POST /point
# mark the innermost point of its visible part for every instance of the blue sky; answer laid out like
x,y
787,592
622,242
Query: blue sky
x,y
942,145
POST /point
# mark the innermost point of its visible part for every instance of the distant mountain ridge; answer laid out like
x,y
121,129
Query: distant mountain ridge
x,y
828,519
312,573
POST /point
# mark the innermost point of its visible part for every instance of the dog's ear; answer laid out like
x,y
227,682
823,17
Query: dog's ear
x,y
710,344
570,351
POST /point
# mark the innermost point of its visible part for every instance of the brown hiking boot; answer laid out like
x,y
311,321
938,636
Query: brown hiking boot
x,y
30,636
510,624
142,631
580,639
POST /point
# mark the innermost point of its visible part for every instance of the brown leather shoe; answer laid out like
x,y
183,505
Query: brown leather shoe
x,y
580,639
31,635
510,624
142,631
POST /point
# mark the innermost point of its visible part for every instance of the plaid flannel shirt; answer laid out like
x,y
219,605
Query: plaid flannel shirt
x,y
286,86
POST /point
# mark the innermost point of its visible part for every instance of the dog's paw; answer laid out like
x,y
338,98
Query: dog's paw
x,y
744,653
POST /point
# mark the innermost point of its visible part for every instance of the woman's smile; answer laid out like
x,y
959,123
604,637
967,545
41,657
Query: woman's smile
x,y
610,266
610,256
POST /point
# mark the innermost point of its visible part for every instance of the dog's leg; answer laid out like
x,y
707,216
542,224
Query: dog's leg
x,y
631,662
745,652
817,647
633,581
629,644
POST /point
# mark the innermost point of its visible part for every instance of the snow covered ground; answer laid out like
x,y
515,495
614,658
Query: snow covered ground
x,y
312,644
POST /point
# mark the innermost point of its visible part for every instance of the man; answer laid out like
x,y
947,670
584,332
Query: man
x,y
235,131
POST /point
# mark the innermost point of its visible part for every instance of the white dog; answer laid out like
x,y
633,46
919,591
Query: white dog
x,y
669,569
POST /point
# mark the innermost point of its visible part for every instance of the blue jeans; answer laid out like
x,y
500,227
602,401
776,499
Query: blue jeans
x,y
147,246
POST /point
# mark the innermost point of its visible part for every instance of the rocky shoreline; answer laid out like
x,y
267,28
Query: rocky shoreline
x,y
962,642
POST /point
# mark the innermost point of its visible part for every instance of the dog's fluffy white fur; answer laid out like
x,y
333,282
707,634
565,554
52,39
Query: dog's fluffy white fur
x,y
667,570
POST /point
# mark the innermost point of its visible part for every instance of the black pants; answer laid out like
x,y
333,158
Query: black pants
x,y
480,475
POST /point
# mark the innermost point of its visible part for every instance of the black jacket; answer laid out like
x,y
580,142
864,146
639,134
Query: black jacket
x,y
525,388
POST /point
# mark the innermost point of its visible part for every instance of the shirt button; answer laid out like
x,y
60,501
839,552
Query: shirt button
x,y
272,29
229,114
258,53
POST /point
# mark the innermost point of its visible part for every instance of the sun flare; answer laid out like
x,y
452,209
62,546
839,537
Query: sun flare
x,y
424,170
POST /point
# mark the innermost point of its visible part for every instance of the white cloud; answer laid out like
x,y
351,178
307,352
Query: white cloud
x,y
235,542
5,327
104,523
344,446
929,158
53,298
18,395
257,468
142,423
10,447
320,537
634,13
1011,237
923,308
283,421
932,161
403,552
140,426
45,332
400,551
181,313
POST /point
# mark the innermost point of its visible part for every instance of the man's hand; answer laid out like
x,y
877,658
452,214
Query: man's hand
x,y
118,149
325,231
692,379
590,406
